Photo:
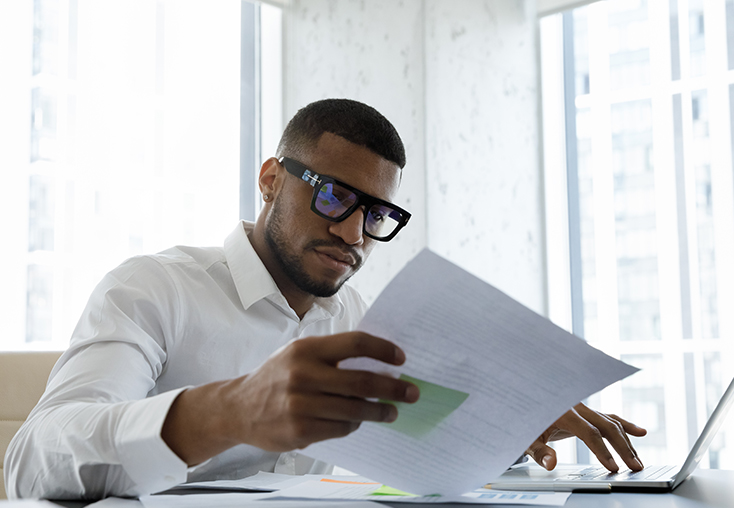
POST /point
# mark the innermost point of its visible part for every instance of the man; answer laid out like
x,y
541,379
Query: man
x,y
184,365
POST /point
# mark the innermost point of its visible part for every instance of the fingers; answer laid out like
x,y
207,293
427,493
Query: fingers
x,y
593,427
629,427
300,395
592,437
364,384
543,454
342,409
307,371
577,425
334,348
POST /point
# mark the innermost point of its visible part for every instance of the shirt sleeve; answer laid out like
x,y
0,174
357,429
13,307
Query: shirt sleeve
x,y
96,432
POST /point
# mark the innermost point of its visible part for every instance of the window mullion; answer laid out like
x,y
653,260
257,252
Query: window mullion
x,y
249,109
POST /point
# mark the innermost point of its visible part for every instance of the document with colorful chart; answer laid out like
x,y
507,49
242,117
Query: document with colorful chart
x,y
493,376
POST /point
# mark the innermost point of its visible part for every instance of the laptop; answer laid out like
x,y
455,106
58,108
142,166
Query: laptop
x,y
578,477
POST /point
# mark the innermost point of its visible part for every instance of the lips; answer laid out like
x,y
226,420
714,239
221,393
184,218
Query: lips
x,y
337,255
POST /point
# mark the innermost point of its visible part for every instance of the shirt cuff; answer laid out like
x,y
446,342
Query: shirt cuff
x,y
146,458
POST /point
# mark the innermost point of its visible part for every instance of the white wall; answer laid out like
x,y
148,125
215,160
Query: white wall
x,y
459,81
482,144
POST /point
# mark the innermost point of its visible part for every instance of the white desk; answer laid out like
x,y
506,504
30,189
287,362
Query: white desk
x,y
705,489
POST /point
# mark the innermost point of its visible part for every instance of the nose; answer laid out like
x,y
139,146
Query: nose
x,y
350,229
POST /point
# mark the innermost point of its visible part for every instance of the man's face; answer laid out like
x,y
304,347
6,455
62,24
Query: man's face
x,y
317,255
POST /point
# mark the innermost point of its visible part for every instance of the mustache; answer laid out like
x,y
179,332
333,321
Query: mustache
x,y
347,249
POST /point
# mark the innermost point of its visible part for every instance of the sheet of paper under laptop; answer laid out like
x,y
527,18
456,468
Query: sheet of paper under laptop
x,y
493,376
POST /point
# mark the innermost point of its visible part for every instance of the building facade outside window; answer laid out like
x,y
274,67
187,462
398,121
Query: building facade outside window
x,y
648,128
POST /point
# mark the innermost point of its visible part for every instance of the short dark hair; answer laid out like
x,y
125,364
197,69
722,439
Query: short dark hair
x,y
352,120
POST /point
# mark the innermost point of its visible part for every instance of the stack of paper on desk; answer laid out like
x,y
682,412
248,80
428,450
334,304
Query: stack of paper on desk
x,y
263,481
243,501
493,376
349,490
309,490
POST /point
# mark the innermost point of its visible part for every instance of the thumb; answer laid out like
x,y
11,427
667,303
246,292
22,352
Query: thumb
x,y
542,454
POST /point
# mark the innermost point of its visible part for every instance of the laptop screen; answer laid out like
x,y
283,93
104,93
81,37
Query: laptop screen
x,y
707,435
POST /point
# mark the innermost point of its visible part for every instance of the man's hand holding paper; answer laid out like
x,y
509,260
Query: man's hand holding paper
x,y
297,397
504,375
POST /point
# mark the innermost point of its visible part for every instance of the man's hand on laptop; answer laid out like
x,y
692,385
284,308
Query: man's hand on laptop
x,y
592,427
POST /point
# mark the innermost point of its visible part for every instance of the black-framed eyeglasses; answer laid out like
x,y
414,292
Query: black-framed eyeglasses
x,y
335,201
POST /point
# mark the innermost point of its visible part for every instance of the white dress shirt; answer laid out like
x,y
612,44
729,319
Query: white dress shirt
x,y
154,326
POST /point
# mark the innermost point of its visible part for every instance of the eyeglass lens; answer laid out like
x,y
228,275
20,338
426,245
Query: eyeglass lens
x,y
333,201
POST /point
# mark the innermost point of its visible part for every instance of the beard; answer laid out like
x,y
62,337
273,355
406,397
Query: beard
x,y
291,264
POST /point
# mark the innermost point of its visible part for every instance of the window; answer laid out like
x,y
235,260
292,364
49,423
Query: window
x,y
127,131
646,221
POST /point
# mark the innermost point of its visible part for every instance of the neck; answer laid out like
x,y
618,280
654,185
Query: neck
x,y
298,300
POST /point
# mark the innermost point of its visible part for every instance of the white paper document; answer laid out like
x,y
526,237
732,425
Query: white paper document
x,y
262,481
493,376
350,490
240,500
116,502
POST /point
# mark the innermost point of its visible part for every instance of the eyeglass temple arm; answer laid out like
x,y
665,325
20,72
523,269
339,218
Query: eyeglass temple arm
x,y
310,177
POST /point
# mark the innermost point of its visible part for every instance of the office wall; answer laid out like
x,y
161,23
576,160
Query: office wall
x,y
459,81
482,143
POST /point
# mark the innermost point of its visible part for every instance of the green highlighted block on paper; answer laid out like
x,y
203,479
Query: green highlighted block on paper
x,y
436,402
389,491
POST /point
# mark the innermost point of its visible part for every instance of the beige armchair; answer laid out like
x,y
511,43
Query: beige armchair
x,y
23,378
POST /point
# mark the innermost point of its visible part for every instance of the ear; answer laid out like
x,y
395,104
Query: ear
x,y
271,177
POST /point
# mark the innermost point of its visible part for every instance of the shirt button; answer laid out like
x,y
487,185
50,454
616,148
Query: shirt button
x,y
169,478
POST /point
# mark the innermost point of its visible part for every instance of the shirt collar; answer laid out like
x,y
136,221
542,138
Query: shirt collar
x,y
254,282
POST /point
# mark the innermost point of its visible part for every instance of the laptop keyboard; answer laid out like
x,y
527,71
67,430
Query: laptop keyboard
x,y
601,473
